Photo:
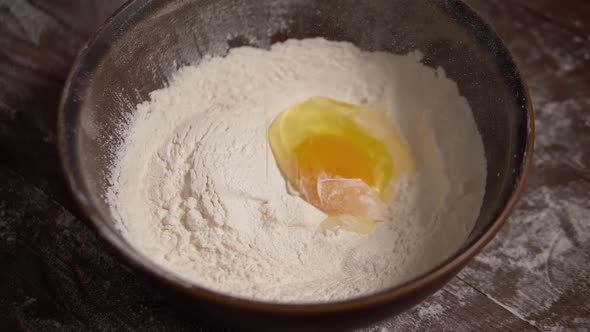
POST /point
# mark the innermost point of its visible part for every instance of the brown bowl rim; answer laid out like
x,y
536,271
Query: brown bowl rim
x,y
442,272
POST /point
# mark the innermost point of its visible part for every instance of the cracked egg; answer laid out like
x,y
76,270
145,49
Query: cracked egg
x,y
342,158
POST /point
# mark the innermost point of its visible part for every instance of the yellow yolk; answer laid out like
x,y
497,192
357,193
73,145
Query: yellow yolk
x,y
324,157
341,158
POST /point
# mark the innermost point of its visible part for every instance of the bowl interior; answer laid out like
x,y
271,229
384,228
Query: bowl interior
x,y
146,41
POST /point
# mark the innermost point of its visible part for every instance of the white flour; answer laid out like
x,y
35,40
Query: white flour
x,y
197,189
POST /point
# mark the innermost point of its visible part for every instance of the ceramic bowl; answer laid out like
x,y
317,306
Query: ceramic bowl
x,y
138,48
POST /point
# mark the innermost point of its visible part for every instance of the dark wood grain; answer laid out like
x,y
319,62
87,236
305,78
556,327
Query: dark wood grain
x,y
571,14
56,275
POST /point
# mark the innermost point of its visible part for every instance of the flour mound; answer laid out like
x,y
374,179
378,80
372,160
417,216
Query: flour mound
x,y
196,188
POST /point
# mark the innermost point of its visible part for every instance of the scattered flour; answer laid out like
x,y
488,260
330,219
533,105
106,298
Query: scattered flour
x,y
196,188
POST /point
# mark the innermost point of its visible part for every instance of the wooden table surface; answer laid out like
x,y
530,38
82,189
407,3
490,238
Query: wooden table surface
x,y
56,275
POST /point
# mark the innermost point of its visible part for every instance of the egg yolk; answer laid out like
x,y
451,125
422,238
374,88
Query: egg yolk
x,y
336,156
339,157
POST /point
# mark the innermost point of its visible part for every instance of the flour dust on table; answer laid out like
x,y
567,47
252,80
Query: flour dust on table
x,y
197,190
